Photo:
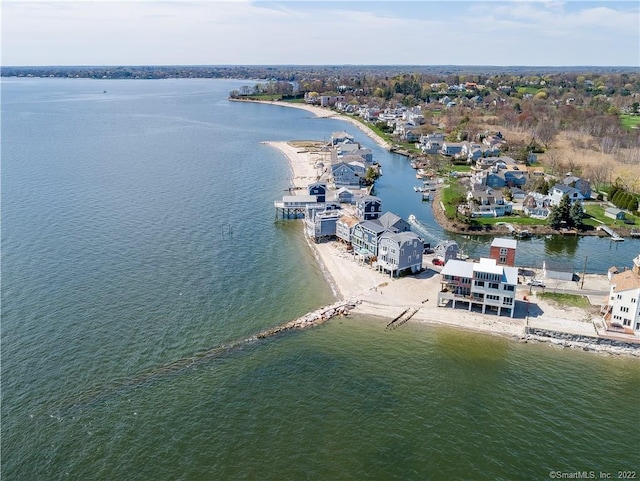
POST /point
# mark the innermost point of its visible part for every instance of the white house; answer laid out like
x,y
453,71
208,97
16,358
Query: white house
x,y
559,190
623,306
483,284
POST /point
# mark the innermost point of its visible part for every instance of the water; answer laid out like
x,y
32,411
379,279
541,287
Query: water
x,y
138,231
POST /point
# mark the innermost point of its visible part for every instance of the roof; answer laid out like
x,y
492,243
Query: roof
x,y
625,281
349,220
558,266
401,237
389,219
487,265
455,267
373,226
612,210
507,243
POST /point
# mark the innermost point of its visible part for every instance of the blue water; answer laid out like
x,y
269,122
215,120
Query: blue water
x,y
138,235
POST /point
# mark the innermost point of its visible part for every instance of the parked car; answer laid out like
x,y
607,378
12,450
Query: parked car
x,y
438,262
535,283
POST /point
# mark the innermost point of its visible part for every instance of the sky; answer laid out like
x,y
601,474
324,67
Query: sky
x,y
326,32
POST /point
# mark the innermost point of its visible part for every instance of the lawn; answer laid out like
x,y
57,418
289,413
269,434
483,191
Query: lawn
x,y
630,121
509,219
595,213
571,300
450,195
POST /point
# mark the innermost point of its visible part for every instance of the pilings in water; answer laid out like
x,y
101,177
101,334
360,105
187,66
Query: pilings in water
x,y
407,314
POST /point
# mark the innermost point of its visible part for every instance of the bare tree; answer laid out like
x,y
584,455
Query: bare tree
x,y
545,132
553,161
599,174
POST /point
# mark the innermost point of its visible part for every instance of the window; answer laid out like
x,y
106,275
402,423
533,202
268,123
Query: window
x,y
480,283
494,286
503,251
503,260
627,322
491,297
507,301
633,301
624,309
509,288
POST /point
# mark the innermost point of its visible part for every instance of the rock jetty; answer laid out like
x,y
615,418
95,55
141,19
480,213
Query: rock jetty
x,y
314,318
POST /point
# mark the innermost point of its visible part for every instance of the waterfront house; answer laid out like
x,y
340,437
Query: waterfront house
x,y
503,251
432,146
488,203
614,213
623,305
344,196
581,185
344,227
341,138
483,284
347,174
558,270
365,238
293,206
400,252
322,224
450,149
319,189
368,207
559,190
536,205
394,222
446,250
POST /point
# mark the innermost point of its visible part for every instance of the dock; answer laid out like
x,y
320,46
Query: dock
x,y
520,233
614,236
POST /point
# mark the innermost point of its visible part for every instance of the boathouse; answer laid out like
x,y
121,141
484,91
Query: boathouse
x,y
558,270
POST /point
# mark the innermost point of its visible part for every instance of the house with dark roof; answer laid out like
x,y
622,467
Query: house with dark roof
x,y
368,207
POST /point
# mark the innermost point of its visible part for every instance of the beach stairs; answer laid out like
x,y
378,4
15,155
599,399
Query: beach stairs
x,y
398,321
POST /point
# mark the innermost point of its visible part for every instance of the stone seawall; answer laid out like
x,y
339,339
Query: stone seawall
x,y
586,343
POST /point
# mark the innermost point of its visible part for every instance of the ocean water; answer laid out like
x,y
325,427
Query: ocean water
x,y
140,250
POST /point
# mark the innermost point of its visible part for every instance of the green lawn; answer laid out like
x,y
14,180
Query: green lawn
x,y
571,300
449,196
510,219
461,168
630,121
595,213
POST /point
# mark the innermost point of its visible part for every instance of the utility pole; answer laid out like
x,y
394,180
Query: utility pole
x,y
584,272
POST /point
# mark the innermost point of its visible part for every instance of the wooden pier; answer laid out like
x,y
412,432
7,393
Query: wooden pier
x,y
614,236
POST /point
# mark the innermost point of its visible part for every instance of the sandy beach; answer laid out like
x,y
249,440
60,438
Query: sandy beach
x,y
382,296
328,113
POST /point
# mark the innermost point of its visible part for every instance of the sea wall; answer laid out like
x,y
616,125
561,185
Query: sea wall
x,y
586,343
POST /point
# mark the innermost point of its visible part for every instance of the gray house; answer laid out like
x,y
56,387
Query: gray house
x,y
365,238
347,174
394,222
446,249
344,196
399,252
368,207
318,189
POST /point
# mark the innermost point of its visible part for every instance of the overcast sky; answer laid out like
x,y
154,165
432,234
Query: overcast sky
x,y
185,32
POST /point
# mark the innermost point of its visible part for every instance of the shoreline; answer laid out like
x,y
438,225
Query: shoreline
x,y
381,296
446,224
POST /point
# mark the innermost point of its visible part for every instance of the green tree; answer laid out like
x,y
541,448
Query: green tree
x,y
633,205
576,212
560,213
